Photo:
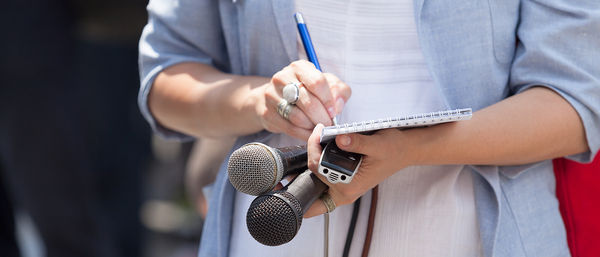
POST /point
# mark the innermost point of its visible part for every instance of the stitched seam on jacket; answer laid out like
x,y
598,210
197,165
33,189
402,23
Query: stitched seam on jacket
x,y
514,218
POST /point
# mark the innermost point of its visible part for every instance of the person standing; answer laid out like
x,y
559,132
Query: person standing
x,y
470,188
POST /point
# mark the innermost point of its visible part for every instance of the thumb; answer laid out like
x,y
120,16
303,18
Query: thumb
x,y
355,143
314,148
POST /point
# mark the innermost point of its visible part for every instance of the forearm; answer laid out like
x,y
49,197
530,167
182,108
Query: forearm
x,y
535,125
201,101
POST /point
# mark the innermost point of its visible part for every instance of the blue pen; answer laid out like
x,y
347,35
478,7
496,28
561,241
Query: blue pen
x,y
308,46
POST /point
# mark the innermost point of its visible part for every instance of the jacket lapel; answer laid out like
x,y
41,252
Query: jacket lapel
x,y
284,14
487,191
417,6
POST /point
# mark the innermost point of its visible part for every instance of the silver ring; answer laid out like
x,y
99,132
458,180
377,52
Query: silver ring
x,y
287,111
291,92
284,108
281,105
328,201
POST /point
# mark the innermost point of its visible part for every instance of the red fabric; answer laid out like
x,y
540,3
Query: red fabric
x,y
578,192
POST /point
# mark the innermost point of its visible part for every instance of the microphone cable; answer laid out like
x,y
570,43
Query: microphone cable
x,y
371,221
352,227
372,211
326,234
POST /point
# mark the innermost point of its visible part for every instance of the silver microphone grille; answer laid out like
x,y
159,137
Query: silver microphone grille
x,y
253,169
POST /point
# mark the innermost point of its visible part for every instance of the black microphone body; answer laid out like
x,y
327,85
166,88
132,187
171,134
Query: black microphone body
x,y
295,159
274,218
256,168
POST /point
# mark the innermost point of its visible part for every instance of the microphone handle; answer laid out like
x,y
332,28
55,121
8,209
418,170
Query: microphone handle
x,y
307,188
295,159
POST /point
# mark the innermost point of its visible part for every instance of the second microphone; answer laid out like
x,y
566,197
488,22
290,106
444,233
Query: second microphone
x,y
256,168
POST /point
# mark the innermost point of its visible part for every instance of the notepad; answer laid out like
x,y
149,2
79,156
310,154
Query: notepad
x,y
399,122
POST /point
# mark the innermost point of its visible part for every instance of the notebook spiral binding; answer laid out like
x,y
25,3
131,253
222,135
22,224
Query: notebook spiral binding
x,y
400,122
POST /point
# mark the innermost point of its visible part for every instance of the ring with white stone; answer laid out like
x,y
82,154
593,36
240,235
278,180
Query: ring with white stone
x,y
291,92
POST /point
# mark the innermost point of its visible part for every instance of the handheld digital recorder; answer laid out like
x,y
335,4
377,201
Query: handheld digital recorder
x,y
338,165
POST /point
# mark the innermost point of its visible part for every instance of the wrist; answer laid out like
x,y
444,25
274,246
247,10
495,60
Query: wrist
x,y
413,147
422,146
255,104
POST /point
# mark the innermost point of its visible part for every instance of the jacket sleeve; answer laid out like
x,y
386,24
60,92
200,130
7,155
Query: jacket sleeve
x,y
558,47
177,32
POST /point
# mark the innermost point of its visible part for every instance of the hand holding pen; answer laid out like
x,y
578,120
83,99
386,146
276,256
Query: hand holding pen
x,y
319,96
291,92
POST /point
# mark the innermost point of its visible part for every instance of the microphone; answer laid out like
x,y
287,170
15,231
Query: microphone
x,y
274,218
256,168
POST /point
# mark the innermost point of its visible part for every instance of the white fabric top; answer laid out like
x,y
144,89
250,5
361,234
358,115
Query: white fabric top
x,y
422,210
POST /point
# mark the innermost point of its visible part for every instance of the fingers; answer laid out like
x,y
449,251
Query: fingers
x,y
338,198
341,91
299,118
313,107
320,98
371,172
316,209
309,102
296,132
308,110
316,83
321,94
275,123
314,149
278,186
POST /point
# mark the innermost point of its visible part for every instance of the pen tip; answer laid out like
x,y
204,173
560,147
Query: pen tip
x,y
298,17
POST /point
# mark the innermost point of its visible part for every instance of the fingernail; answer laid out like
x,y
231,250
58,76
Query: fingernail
x,y
317,127
331,111
339,105
344,140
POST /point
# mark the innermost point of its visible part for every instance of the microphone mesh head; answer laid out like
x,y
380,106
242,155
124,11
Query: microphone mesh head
x,y
252,169
272,221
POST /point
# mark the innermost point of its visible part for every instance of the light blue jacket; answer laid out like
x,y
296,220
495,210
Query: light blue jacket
x,y
474,57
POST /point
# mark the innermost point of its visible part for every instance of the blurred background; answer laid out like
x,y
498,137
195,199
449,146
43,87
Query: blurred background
x,y
80,172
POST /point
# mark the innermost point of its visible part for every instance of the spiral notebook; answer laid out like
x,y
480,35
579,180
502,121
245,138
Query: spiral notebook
x,y
400,122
